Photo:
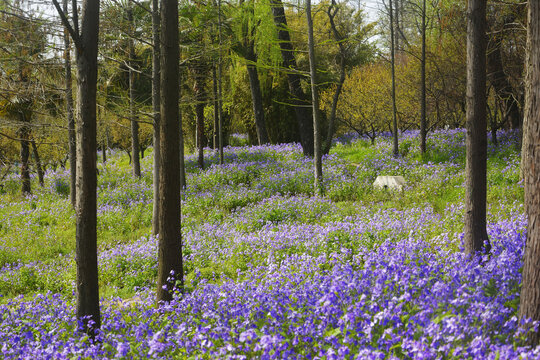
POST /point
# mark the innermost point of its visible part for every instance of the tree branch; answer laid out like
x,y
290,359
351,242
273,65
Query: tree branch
x,y
73,32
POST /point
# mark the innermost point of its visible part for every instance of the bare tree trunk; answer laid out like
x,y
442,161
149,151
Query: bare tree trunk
x,y
500,82
182,162
104,152
181,142
200,98
393,61
215,137
86,247
303,114
156,113
476,164
70,115
317,157
332,12
220,100
132,113
24,136
170,268
423,116
256,95
86,43
39,167
529,307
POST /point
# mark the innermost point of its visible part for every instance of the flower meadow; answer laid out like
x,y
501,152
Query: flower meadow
x,y
273,271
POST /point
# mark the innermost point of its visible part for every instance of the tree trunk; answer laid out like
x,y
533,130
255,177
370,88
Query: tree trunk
x,y
423,116
500,82
132,113
317,158
215,139
156,113
302,111
70,115
39,167
220,105
529,307
181,144
393,61
200,99
181,153
342,64
104,152
24,136
170,268
476,143
86,209
256,95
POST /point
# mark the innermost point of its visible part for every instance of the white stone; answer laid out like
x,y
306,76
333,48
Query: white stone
x,y
389,182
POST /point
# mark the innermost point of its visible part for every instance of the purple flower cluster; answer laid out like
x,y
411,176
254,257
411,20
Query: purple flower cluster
x,y
402,299
274,272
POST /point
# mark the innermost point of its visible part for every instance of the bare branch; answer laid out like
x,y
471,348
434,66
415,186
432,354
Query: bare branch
x,y
73,32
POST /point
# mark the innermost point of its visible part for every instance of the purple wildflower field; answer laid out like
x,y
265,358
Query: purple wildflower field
x,y
274,272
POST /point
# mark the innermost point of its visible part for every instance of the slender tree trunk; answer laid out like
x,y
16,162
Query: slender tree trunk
x,y
24,136
317,158
396,27
476,163
423,116
529,307
39,167
393,61
302,111
215,137
182,161
104,152
170,268
181,141
256,96
70,115
500,82
108,138
342,67
156,112
132,112
220,99
200,98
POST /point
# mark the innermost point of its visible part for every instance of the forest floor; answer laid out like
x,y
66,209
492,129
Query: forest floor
x,y
273,271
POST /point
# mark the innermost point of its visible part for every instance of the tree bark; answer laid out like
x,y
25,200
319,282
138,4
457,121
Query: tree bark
x,y
156,112
215,137
342,67
70,116
132,113
220,100
87,307
476,238
317,157
181,154
256,95
170,267
529,307
299,100
39,167
200,99
501,84
423,115
393,62
104,152
24,136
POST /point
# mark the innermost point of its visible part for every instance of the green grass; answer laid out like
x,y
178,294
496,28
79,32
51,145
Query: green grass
x,y
42,229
